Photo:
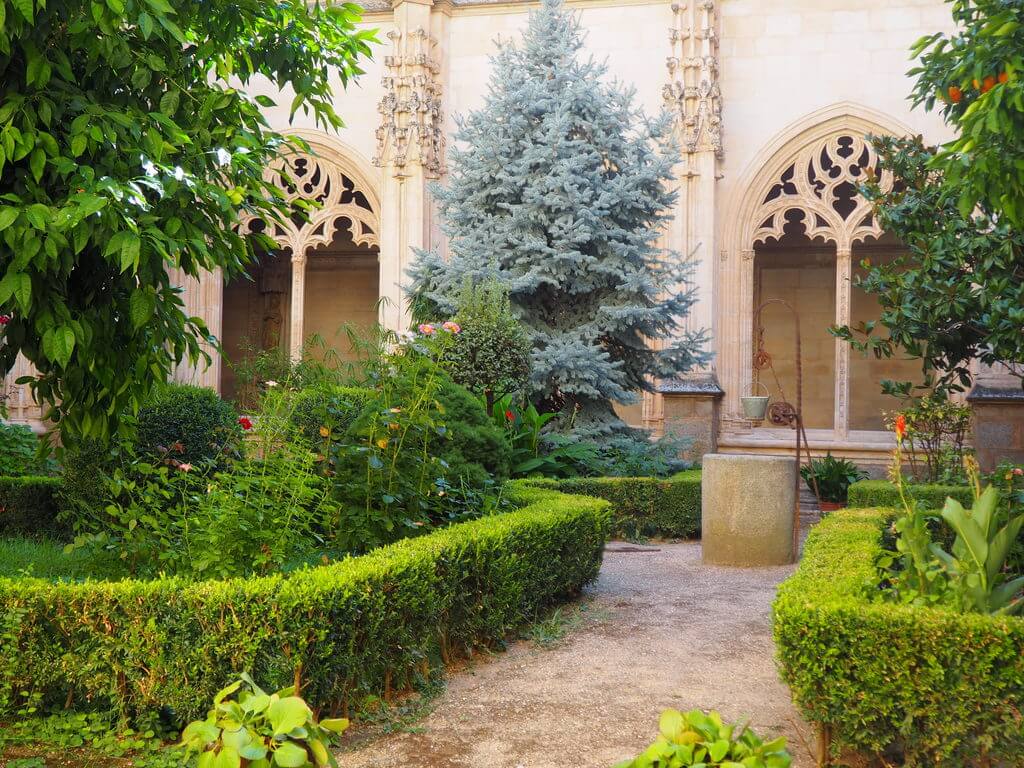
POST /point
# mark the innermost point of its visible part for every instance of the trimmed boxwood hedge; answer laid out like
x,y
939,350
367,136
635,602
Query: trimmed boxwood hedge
x,y
643,506
927,686
29,506
882,493
361,626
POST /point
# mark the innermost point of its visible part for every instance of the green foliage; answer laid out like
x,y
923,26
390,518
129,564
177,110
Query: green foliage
x,y
29,506
129,147
193,419
971,577
532,452
347,630
19,452
832,477
643,506
558,189
922,686
936,430
263,503
974,71
953,294
883,493
88,466
635,454
328,407
420,453
700,739
473,447
278,730
491,354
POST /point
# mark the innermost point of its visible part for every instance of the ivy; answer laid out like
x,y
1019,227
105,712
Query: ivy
x,y
128,148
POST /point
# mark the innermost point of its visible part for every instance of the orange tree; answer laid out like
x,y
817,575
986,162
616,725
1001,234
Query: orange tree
x,y
957,292
128,146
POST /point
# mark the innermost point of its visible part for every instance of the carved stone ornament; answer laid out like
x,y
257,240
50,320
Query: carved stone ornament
x,y
821,183
692,93
411,113
304,178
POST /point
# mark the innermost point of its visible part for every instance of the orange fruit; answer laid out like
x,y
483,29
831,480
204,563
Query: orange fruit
x,y
988,84
955,94
1003,77
975,83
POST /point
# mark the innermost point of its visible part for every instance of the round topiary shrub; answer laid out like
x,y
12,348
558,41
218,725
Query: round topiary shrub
x,y
490,355
194,419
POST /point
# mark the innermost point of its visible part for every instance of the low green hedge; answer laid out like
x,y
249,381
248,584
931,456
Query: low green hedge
x,y
882,493
643,506
358,627
927,686
28,506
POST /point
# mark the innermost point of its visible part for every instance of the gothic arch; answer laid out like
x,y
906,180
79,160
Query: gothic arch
x,y
337,178
801,147
812,167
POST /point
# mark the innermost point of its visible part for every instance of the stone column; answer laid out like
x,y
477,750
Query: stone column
x,y
692,94
410,146
844,284
298,305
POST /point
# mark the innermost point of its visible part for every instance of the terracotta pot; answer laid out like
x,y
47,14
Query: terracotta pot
x,y
831,506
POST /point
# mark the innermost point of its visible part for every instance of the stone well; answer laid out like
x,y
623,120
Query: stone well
x,y
747,506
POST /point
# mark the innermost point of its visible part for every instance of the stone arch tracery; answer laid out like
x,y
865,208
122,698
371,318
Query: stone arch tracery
x,y
811,170
821,183
346,199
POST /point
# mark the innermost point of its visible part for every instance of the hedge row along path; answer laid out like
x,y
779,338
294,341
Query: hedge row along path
x,y
670,632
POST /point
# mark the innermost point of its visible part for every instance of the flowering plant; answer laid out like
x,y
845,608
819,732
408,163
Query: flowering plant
x,y
971,576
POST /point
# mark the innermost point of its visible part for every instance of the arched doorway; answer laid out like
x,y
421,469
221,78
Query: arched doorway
x,y
802,232
322,282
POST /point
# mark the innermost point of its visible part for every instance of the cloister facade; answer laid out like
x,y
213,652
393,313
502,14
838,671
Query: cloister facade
x,y
772,103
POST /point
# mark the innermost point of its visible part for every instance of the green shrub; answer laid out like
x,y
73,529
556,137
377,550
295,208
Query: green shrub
x,y
330,407
194,417
490,356
642,506
352,629
882,493
87,467
831,477
19,452
473,446
29,506
928,686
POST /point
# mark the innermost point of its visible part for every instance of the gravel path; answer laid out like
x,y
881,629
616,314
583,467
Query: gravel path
x,y
669,632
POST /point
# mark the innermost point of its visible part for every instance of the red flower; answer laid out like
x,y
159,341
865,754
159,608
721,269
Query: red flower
x,y
900,426
5,319
245,423
1018,471
509,416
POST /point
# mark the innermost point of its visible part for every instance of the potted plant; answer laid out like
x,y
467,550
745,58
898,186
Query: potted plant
x,y
833,477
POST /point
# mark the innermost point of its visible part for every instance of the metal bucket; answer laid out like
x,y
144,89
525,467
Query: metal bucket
x,y
755,406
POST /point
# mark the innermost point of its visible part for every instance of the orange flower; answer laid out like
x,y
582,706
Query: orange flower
x,y
900,426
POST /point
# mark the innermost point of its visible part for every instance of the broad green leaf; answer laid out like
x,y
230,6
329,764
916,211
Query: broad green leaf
x,y
227,757
169,102
335,725
142,305
18,285
37,163
26,8
670,724
290,755
62,345
7,216
287,714
130,251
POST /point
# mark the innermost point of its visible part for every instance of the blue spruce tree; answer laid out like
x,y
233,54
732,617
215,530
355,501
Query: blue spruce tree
x,y
558,189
